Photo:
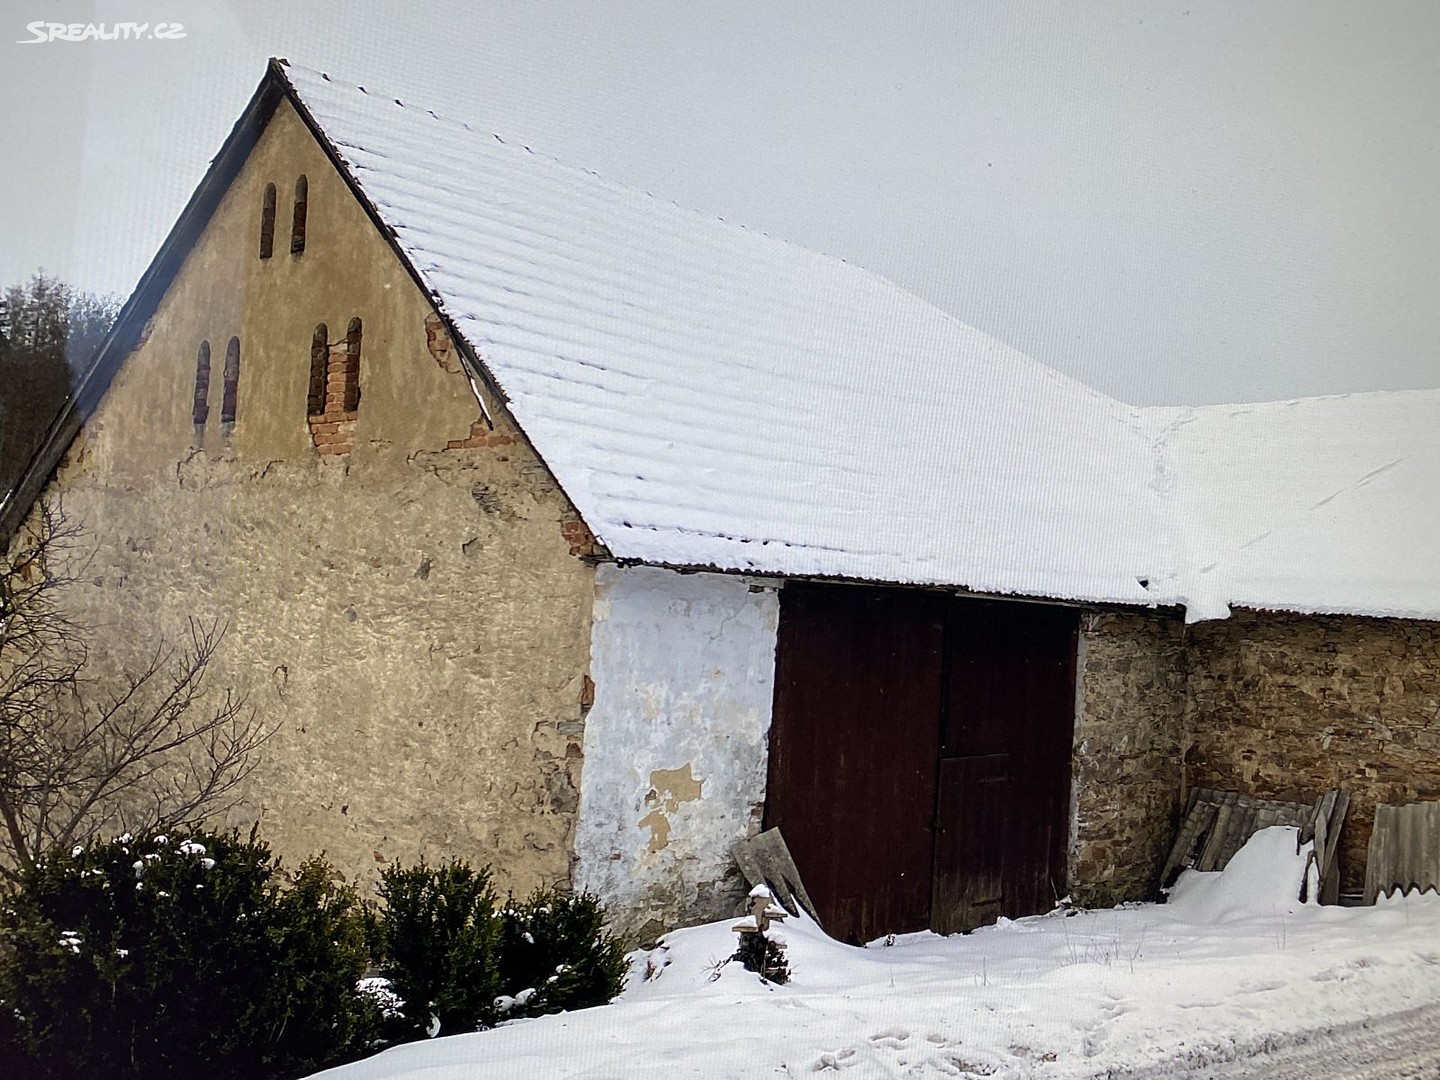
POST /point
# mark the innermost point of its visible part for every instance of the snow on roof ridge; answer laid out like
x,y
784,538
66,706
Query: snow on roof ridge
x,y
445,118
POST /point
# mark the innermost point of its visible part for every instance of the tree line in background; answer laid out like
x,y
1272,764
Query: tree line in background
x,y
146,745
49,332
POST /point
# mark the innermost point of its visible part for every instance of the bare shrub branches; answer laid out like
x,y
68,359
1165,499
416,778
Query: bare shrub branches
x,y
152,750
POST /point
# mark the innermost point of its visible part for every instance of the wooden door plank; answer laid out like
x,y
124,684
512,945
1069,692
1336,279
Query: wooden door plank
x,y
853,749
1010,690
971,841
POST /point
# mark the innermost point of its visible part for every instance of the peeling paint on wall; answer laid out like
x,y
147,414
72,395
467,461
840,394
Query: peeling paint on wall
x,y
675,743
668,789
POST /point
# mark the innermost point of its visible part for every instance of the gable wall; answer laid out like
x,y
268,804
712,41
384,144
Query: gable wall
x,y
411,613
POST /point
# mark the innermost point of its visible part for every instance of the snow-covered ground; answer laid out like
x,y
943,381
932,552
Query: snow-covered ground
x,y
1233,963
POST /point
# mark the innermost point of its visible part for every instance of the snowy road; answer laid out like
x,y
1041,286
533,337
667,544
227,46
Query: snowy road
x,y
1402,1046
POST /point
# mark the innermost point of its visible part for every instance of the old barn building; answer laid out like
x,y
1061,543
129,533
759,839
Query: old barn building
x,y
573,532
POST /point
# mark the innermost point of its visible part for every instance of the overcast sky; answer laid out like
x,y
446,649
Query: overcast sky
x,y
1176,202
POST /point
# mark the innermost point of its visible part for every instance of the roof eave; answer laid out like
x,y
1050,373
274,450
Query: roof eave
x,y
779,577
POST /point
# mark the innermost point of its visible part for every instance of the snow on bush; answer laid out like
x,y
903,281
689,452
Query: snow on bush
x,y
458,964
155,958
434,938
555,954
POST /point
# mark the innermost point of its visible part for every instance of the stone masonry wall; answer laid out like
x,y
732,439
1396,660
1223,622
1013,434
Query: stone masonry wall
x,y
406,599
1285,706
1127,785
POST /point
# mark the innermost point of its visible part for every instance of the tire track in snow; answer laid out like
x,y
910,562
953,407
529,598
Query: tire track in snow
x,y
1400,1046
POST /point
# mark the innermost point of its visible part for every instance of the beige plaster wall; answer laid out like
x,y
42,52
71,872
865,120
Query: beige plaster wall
x,y
412,614
1286,706
1127,783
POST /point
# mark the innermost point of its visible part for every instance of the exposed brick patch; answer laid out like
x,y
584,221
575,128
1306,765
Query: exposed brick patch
x,y
201,411
332,429
439,345
480,438
582,541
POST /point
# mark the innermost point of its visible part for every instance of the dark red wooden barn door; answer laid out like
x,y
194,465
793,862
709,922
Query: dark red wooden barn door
x,y
1003,806
920,755
853,750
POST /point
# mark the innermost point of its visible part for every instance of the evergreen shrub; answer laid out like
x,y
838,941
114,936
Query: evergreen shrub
x,y
556,955
181,955
434,938
458,964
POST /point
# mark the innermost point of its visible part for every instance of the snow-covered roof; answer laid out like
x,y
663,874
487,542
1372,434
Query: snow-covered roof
x,y
707,395
1327,504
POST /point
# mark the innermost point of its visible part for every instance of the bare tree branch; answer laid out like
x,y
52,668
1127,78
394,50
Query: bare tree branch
x,y
155,751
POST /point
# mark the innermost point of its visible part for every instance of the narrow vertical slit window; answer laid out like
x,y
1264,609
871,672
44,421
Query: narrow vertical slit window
x,y
232,381
350,384
297,224
201,411
319,362
267,223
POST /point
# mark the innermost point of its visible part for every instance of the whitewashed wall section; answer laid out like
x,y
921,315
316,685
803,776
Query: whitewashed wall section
x,y
676,742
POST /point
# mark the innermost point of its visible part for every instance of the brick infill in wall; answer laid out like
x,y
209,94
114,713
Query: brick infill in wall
x,y
439,345
480,436
333,431
582,541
